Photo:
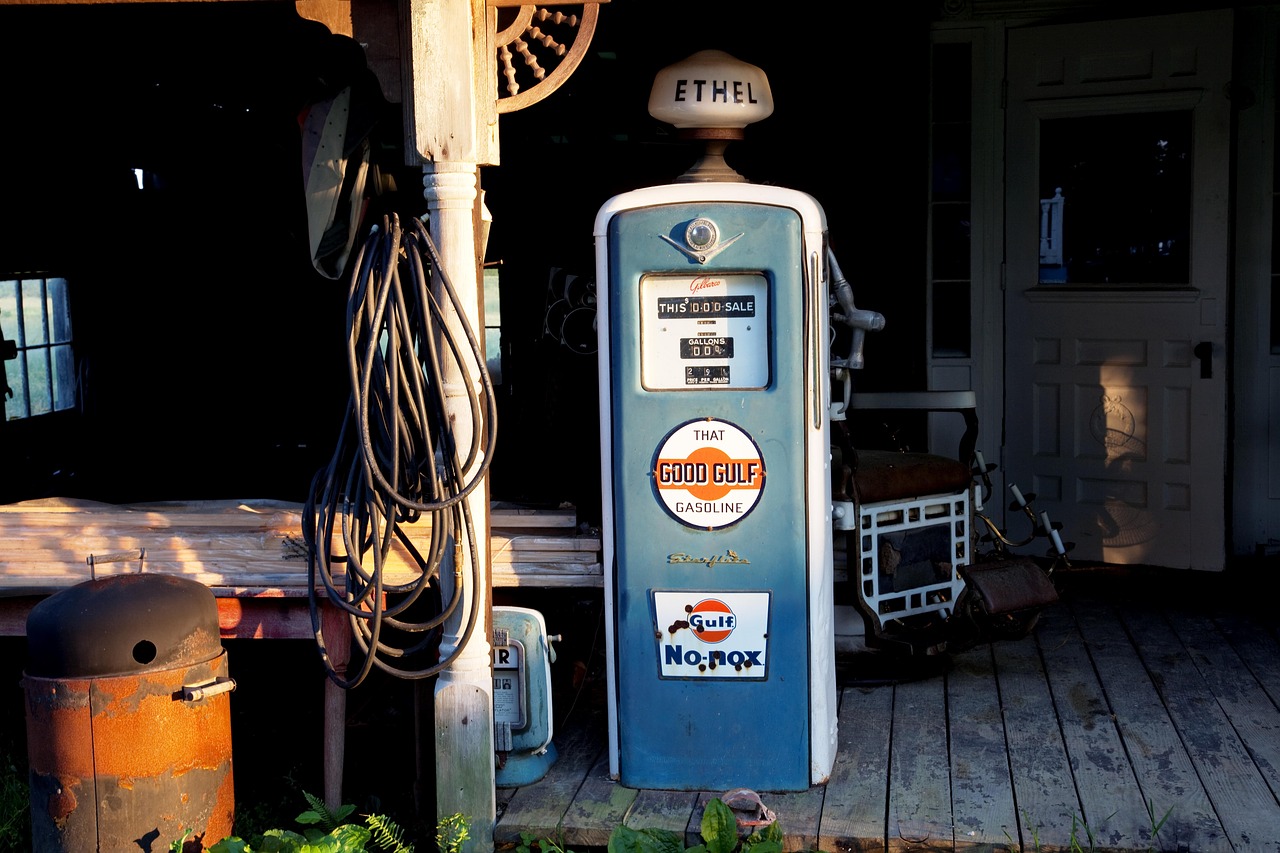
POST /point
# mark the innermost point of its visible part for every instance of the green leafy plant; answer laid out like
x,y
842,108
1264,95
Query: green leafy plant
x,y
325,832
15,805
648,840
320,814
452,832
719,832
529,843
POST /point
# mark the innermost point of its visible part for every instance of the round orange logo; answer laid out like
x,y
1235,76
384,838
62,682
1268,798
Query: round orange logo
x,y
712,620
708,473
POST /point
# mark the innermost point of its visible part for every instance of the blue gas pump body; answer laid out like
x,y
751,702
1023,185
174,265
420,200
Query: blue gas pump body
x,y
715,448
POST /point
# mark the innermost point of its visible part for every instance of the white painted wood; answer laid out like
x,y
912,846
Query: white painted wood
x,y
448,79
465,774
451,124
1255,469
983,371
1108,420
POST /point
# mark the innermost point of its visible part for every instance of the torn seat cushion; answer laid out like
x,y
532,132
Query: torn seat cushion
x,y
887,475
1009,586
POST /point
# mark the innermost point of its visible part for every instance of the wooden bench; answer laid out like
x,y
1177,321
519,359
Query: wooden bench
x,y
254,548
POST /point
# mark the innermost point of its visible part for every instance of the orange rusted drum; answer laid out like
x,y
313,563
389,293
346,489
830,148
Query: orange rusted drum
x,y
128,717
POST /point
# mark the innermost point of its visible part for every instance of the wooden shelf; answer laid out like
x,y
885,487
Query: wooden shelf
x,y
255,548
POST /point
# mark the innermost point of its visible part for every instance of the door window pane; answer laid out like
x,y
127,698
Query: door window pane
x,y
1115,196
951,241
950,191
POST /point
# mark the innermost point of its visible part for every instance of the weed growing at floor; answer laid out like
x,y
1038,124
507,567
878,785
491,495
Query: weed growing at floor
x,y
1077,823
15,804
530,843
1032,828
1156,825
266,801
325,830
1088,843
719,832
453,833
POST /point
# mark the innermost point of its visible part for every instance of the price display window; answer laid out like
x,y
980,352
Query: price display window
x,y
704,332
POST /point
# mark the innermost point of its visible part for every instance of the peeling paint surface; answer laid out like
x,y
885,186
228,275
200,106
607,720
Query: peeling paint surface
x,y
123,761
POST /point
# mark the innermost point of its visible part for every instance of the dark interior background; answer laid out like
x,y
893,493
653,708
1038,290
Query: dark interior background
x,y
211,353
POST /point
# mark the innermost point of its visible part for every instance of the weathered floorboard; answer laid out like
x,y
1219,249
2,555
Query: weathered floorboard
x,y
1048,810
1243,803
1255,642
799,814
1251,712
981,790
668,810
600,805
853,812
1160,761
1113,811
919,784
540,808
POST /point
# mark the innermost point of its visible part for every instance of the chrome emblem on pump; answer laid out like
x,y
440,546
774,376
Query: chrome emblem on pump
x,y
701,234
701,240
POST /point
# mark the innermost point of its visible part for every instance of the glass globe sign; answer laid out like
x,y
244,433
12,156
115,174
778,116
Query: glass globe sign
x,y
711,96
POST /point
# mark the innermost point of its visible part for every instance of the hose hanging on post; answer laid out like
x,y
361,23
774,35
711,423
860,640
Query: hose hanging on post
x,y
396,459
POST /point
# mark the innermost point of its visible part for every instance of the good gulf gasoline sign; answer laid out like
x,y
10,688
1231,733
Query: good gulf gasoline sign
x,y
708,473
712,634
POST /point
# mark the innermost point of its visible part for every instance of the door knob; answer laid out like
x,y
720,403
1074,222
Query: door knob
x,y
1204,352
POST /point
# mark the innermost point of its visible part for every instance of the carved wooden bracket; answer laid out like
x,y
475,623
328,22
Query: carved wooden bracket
x,y
528,52
527,38
537,35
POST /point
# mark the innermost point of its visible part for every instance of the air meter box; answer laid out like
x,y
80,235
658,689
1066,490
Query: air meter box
x,y
522,658
716,481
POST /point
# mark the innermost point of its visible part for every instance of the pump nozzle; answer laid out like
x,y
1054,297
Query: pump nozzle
x,y
859,320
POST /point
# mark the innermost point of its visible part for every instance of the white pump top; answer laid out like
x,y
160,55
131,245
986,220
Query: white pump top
x,y
711,94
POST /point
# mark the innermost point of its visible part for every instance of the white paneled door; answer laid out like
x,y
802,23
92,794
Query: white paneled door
x,y
1115,404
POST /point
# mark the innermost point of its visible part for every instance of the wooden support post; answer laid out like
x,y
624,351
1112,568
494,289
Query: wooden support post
x,y
465,778
451,126
337,634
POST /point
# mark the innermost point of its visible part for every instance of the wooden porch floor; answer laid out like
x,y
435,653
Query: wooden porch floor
x,y
1143,698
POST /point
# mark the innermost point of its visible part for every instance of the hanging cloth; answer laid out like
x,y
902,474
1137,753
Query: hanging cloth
x,y
337,162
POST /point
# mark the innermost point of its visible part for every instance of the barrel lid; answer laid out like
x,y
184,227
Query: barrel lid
x,y
122,624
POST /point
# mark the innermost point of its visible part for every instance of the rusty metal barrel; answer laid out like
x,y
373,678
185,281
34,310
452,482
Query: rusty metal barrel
x,y
128,717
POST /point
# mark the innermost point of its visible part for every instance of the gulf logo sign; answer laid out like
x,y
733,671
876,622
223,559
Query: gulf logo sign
x,y
712,634
711,620
708,473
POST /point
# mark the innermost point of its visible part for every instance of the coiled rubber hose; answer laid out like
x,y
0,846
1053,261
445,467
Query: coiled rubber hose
x,y
396,462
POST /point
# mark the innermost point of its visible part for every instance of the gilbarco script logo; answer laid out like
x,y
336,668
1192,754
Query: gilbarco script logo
x,y
729,557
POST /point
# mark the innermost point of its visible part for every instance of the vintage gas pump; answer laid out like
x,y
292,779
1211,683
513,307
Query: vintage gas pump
x,y
714,359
